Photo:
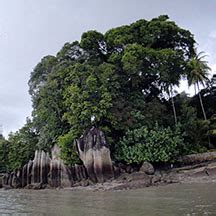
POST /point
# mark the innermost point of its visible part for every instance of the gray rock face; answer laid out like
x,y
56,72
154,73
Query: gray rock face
x,y
39,168
1,181
147,168
45,170
95,154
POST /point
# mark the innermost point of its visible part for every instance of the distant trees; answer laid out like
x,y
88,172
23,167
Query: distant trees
x,y
3,154
18,148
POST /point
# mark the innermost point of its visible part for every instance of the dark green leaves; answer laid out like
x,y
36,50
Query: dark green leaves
x,y
155,145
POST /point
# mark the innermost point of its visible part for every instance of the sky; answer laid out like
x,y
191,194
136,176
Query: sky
x,y
31,29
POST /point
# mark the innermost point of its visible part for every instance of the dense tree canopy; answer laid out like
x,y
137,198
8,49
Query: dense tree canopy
x,y
121,82
3,154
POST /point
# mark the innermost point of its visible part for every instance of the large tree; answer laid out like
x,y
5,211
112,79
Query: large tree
x,y
108,80
198,74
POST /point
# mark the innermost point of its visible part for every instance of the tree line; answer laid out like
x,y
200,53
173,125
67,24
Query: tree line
x,y
122,82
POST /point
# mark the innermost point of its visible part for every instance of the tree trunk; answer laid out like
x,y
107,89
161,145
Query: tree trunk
x,y
201,102
173,104
204,114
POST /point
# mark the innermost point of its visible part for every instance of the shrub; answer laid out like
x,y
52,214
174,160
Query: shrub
x,y
155,145
68,149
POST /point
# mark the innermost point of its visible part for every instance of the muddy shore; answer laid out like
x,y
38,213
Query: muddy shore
x,y
197,168
204,172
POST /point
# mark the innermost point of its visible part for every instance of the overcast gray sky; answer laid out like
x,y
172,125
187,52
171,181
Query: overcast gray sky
x,y
31,29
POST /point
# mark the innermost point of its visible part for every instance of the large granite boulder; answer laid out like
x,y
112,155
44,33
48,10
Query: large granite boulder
x,y
94,152
63,175
45,170
39,168
147,168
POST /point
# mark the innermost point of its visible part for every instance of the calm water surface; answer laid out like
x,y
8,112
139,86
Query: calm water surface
x,y
176,199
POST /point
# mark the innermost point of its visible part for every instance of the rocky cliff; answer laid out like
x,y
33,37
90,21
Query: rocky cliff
x,y
95,154
44,170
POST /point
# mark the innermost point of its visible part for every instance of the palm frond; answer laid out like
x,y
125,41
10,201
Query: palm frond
x,y
199,70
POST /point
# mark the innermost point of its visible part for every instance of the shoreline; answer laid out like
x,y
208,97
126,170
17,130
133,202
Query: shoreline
x,y
196,168
199,173
204,172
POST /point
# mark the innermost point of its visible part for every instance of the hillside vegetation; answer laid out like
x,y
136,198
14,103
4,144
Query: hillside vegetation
x,y
122,82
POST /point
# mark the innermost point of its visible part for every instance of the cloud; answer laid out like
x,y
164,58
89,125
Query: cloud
x,y
213,34
209,47
213,67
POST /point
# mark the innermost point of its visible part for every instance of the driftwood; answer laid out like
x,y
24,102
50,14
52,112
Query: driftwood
x,y
197,158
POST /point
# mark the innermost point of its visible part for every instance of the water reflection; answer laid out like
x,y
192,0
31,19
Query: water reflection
x,y
185,199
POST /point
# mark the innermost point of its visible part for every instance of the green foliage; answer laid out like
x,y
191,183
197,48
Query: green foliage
x,y
198,73
68,148
212,129
93,42
89,95
121,82
104,79
198,70
40,74
22,145
4,148
118,82
193,129
155,145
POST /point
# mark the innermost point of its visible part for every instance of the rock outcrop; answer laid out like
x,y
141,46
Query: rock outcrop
x,y
147,168
45,170
1,181
95,154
